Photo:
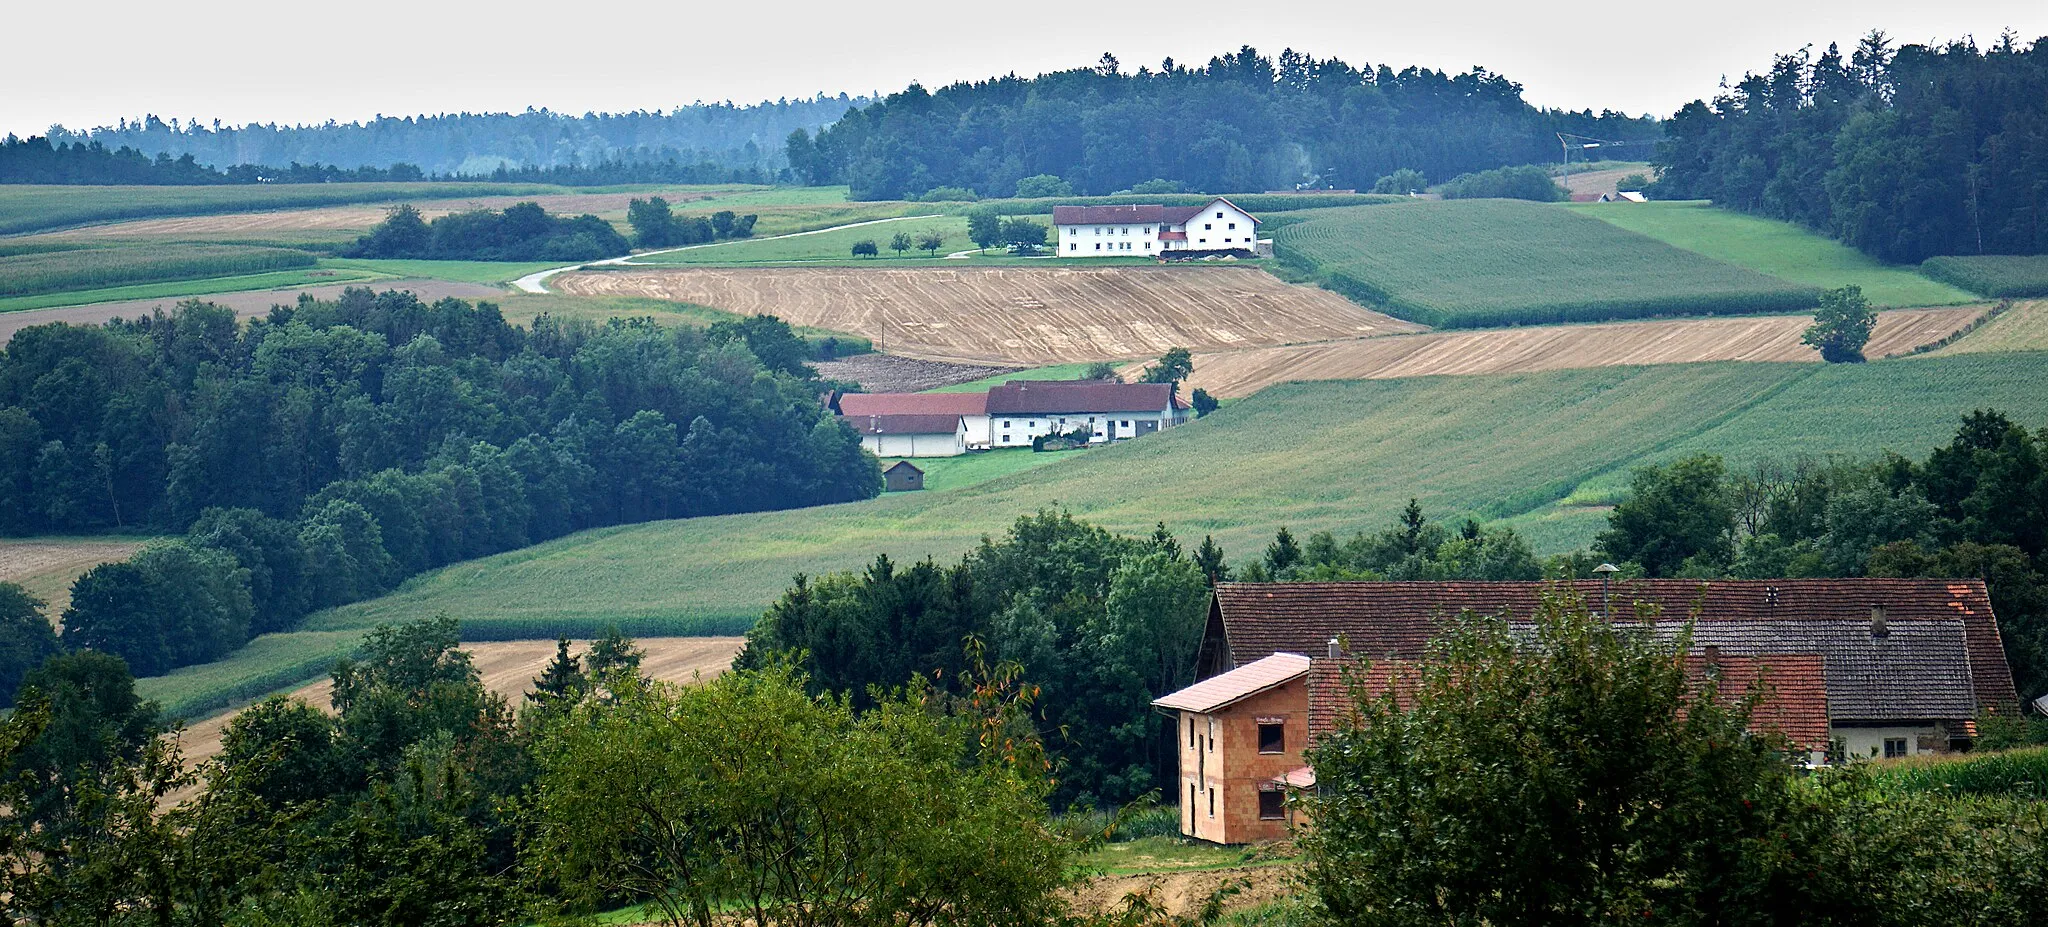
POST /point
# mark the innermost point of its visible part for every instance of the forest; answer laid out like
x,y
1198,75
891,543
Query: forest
x,y
328,451
1904,152
1244,122
476,144
36,160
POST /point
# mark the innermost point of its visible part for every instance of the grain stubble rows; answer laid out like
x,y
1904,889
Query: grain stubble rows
x,y
1018,316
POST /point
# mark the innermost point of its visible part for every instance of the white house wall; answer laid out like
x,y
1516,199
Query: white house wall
x,y
1221,227
910,445
1018,430
1867,742
1131,239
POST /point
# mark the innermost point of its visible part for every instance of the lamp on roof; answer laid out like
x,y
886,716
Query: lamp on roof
x,y
1606,571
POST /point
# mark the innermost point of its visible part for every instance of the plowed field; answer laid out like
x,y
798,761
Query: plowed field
x,y
508,668
1557,347
1018,316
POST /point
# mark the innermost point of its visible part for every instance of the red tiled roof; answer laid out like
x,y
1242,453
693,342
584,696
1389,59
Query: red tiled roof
x,y
1250,620
1244,682
1795,701
904,424
1028,397
852,404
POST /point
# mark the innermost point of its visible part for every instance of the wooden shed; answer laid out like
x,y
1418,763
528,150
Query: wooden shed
x,y
902,476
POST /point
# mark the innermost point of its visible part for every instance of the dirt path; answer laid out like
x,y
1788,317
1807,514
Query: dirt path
x,y
1183,893
1018,316
1556,347
537,282
246,303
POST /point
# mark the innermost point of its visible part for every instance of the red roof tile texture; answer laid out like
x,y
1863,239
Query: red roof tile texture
x,y
1123,215
1398,619
852,404
1248,680
1795,701
1039,397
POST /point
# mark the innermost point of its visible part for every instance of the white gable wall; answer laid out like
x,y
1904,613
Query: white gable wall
x,y
1221,226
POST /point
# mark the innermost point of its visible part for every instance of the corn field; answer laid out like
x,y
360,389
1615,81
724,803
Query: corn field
x,y
1994,275
94,268
1478,263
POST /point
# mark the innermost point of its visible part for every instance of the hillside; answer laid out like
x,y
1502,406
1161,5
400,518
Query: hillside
x,y
1326,456
1478,263
1777,248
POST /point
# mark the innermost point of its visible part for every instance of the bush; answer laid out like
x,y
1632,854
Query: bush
x,y
1157,186
1402,182
1039,186
1527,182
949,195
524,232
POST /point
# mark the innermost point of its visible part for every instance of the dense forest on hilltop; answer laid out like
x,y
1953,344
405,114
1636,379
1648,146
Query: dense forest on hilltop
x,y
1904,153
477,144
326,452
1244,122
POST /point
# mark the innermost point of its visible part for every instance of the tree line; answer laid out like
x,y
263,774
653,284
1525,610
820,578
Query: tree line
x,y
325,452
36,160
477,144
1244,122
656,226
1905,152
522,232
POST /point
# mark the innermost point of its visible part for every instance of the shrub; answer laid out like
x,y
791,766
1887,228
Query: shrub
x,y
1527,182
949,195
1043,185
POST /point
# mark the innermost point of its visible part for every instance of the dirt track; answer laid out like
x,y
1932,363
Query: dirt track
x,y
1182,894
508,668
1018,316
246,303
1556,347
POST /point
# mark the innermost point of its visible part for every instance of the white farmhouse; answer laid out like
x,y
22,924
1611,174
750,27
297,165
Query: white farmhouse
x,y
1147,231
1021,410
911,435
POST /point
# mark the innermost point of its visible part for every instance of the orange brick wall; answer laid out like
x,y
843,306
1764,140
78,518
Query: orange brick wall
x,y
1230,767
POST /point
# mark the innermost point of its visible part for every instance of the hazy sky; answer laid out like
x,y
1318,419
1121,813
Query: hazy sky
x,y
86,64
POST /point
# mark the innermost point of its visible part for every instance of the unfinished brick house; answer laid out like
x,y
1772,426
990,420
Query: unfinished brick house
x,y
1877,667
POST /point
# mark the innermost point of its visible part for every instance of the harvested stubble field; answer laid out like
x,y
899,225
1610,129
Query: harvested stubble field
x,y
1480,263
46,567
508,669
1018,316
1559,347
2022,327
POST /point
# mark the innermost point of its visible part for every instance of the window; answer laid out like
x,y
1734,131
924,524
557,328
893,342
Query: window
x,y
1127,230
1148,230
1272,736
1219,215
1098,246
1272,805
1148,246
1231,225
1127,425
1191,732
1212,803
1894,747
1006,423
1073,246
1226,241
1098,230
1207,226
1191,799
1205,241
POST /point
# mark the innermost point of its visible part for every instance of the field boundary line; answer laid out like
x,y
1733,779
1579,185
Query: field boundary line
x,y
537,282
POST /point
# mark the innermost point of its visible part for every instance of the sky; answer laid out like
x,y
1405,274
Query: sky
x,y
240,61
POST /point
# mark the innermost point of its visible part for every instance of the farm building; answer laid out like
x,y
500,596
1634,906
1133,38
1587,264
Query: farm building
x,y
1886,667
902,476
970,407
1147,231
911,435
1021,410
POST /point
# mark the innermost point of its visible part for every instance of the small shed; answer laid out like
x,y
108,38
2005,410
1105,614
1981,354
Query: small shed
x,y
902,476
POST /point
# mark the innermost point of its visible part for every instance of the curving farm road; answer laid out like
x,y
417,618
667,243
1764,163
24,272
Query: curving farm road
x,y
537,282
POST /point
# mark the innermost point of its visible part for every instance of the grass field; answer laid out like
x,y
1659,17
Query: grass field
x,y
1475,263
983,385
1780,249
1024,316
102,268
826,246
1997,275
32,207
942,474
458,271
2022,327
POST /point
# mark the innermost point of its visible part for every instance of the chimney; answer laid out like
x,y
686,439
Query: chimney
x,y
1879,628
1336,649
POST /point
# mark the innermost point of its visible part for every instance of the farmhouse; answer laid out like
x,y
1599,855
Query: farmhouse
x,y
970,408
1021,410
1883,667
1147,231
912,435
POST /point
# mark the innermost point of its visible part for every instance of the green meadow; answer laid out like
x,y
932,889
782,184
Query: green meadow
x,y
1780,249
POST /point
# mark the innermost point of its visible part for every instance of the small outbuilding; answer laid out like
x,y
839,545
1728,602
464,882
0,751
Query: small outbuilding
x,y
902,476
